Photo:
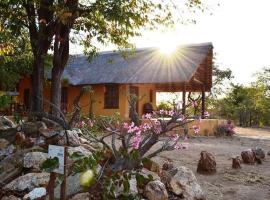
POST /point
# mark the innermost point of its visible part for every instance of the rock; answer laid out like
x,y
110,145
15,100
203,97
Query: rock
x,y
156,190
236,163
6,123
35,194
34,160
8,134
11,197
32,128
132,190
268,153
3,143
28,182
152,165
248,157
182,182
73,186
207,163
7,151
146,173
73,136
167,166
81,149
80,196
259,152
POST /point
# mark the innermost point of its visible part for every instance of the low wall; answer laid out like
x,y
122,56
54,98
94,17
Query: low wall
x,y
207,127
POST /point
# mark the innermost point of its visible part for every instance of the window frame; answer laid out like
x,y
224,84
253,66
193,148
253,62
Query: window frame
x,y
111,96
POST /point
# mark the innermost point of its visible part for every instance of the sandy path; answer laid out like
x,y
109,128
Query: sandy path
x,y
252,182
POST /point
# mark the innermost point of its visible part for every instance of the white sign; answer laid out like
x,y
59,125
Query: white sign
x,y
59,152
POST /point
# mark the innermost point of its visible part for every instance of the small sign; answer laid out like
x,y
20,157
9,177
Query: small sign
x,y
59,152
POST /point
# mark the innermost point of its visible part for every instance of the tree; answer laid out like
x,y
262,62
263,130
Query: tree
x,y
102,21
15,58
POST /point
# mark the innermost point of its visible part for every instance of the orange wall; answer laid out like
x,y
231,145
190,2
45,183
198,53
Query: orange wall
x,y
98,98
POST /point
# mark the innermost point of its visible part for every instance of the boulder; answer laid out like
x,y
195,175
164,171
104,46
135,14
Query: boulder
x,y
48,133
156,190
28,182
248,157
167,166
36,193
236,163
259,152
11,197
6,123
207,163
182,182
73,137
7,151
3,143
80,196
73,186
34,160
152,165
133,188
32,128
146,173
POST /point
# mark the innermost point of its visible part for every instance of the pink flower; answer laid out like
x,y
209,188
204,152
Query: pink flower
x,y
194,104
181,146
174,137
171,113
125,125
90,123
146,127
147,116
162,112
137,140
206,114
196,129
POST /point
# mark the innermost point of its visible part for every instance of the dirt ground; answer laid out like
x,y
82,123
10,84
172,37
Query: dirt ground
x,y
252,182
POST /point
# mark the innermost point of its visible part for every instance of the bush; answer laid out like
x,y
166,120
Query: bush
x,y
225,129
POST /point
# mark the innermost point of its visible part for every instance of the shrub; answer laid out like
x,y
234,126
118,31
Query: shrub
x,y
226,129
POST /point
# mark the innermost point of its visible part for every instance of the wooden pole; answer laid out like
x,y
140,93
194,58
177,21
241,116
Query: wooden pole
x,y
203,103
64,183
51,185
184,100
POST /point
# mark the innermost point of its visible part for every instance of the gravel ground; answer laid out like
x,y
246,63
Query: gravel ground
x,y
252,182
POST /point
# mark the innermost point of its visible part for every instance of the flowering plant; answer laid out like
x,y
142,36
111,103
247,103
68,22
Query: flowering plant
x,y
130,144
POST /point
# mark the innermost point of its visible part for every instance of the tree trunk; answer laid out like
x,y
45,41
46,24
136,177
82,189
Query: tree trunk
x,y
56,90
37,84
61,55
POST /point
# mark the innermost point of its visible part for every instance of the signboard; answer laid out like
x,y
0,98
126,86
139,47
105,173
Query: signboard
x,y
59,152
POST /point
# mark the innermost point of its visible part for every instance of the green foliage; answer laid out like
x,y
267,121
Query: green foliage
x,y
50,164
5,100
164,105
83,162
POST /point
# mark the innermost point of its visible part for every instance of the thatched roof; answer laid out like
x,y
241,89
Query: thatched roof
x,y
147,65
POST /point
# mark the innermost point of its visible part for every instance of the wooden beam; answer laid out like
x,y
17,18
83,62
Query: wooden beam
x,y
203,102
184,100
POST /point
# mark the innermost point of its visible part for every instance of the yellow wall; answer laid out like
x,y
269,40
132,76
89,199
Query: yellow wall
x,y
98,98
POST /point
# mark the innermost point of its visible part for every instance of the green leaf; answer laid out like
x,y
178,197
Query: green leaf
x,y
50,164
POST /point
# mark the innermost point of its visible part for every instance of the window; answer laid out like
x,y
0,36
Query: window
x,y
111,97
64,99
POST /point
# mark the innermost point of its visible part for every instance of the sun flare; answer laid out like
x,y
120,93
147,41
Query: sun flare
x,y
167,47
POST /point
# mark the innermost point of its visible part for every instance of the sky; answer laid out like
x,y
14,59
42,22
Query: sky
x,y
238,29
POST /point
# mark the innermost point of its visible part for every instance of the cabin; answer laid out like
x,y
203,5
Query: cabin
x,y
143,72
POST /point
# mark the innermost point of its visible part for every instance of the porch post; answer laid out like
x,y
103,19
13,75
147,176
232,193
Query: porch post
x,y
203,102
184,100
